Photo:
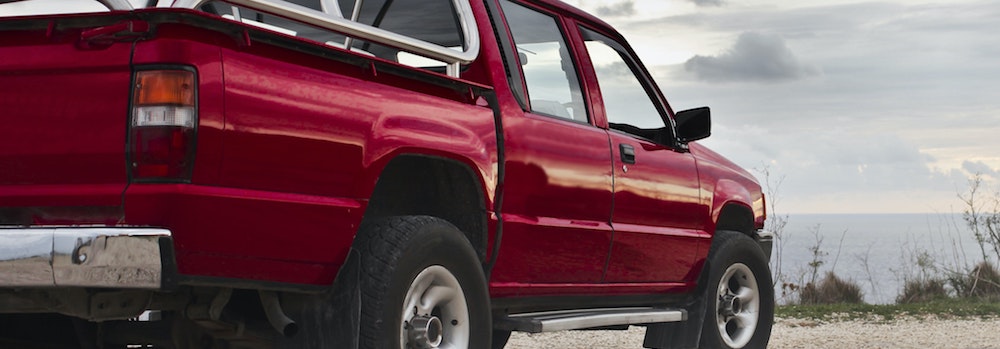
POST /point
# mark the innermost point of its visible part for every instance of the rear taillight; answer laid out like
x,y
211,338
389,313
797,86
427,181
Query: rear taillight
x,y
163,124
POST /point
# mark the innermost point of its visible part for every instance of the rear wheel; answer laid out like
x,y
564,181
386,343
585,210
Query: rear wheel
x,y
738,296
422,286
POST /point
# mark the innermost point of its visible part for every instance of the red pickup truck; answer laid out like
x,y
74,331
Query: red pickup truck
x,y
358,174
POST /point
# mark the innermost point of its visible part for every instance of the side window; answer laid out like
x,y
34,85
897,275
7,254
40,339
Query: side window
x,y
630,107
548,69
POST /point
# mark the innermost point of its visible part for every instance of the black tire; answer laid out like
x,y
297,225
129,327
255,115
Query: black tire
x,y
419,258
738,295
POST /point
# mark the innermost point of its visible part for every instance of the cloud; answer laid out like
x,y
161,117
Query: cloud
x,y
624,8
617,70
754,57
979,167
883,106
708,2
823,173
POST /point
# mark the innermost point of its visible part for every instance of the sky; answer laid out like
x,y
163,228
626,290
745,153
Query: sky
x,y
850,106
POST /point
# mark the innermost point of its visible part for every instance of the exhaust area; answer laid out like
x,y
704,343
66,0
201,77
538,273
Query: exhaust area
x,y
276,316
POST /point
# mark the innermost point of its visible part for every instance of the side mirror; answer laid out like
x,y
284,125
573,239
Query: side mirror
x,y
693,124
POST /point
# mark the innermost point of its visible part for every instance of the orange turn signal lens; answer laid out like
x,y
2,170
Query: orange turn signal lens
x,y
164,87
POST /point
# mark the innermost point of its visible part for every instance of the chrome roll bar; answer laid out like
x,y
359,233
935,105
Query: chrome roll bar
x,y
354,30
116,5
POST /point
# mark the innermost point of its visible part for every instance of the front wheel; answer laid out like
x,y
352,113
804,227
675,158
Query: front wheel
x,y
422,286
738,296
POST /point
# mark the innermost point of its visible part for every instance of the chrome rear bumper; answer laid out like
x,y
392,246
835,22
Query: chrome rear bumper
x,y
104,257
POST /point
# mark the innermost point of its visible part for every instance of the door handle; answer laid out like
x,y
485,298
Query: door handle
x,y
627,153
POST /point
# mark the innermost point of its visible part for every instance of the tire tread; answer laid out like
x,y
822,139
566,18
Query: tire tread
x,y
382,244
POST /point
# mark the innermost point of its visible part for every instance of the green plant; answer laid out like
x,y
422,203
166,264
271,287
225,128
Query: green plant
x,y
982,216
817,255
950,307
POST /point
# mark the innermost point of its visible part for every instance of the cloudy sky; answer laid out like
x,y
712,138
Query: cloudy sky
x,y
856,106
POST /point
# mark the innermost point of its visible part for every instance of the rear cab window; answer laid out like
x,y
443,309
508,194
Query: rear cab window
x,y
438,22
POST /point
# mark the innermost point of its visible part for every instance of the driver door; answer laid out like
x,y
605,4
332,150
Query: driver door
x,y
658,212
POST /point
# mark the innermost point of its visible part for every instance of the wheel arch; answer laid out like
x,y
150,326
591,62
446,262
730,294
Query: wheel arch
x,y
414,183
735,216
734,208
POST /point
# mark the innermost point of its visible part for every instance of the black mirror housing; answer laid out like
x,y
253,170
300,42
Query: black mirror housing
x,y
693,124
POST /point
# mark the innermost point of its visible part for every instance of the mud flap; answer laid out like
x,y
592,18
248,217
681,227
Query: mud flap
x,y
346,303
678,335
332,319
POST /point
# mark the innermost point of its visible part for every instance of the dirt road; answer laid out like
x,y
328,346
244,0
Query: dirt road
x,y
925,332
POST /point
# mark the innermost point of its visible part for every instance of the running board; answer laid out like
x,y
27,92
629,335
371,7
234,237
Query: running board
x,y
552,321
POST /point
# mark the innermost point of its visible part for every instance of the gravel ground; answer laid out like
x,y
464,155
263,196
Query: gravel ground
x,y
926,332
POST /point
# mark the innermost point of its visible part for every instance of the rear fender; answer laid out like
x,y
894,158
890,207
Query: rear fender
x,y
471,144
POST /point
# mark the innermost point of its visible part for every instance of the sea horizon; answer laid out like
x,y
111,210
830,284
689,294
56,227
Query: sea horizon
x,y
878,251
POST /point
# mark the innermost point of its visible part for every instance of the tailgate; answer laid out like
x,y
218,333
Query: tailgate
x,y
63,110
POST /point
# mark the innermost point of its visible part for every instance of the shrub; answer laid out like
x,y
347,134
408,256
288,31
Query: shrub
x,y
983,281
919,291
831,290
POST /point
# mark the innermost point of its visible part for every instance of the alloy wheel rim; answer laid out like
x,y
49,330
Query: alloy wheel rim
x,y
738,306
435,312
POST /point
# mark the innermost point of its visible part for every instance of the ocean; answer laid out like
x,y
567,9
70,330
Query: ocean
x,y
877,251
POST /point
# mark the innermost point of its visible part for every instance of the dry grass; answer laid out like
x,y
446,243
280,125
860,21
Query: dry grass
x,y
981,282
920,291
831,290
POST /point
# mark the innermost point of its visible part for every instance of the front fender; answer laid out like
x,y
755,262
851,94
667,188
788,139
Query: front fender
x,y
729,192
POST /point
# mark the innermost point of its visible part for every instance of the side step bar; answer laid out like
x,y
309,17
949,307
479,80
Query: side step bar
x,y
552,321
